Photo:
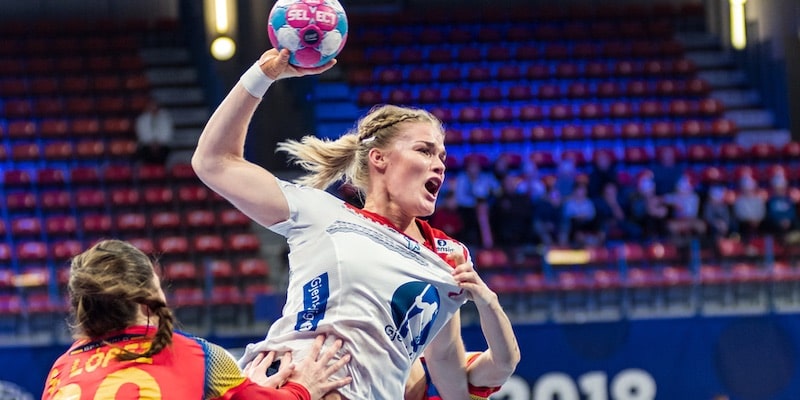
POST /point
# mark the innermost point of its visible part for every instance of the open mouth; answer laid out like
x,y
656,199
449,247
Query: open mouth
x,y
433,185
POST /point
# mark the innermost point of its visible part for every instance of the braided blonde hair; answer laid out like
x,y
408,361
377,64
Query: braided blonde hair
x,y
346,158
107,284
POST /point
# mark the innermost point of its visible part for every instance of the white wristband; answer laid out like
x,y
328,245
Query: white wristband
x,y
255,81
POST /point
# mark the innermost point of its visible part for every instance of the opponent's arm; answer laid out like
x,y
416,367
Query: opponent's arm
x,y
446,359
495,365
219,159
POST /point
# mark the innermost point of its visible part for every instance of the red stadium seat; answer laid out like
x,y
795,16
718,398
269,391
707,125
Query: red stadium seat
x,y
208,244
55,200
158,195
63,250
512,134
25,152
146,245
429,95
131,222
244,242
124,197
53,128
26,226
400,96
233,218
165,221
16,178
180,270
199,219
61,225
182,172
732,152
608,89
32,251
90,198
22,129
151,173
253,268
700,153
58,151
573,132
173,245
520,93
21,201
96,224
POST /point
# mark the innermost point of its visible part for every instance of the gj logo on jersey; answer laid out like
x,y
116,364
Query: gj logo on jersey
x,y
315,301
415,306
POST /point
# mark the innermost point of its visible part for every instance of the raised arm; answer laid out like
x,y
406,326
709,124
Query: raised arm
x,y
495,365
219,159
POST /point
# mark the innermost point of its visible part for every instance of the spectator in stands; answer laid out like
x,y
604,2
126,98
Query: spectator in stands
x,y
154,133
533,181
512,213
717,214
603,171
611,219
647,209
120,315
566,176
666,172
475,191
781,215
446,217
503,166
750,208
684,204
547,217
578,219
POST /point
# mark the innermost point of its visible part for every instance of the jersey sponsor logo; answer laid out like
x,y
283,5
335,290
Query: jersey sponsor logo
x,y
446,246
315,301
415,306
412,245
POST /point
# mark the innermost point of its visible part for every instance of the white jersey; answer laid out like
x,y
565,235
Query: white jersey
x,y
355,276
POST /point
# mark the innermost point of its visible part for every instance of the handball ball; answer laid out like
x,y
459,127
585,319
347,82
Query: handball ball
x,y
313,30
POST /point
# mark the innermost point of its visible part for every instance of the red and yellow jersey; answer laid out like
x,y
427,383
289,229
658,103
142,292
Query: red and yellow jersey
x,y
191,368
475,392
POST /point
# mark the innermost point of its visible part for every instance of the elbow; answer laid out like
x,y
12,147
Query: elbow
x,y
205,166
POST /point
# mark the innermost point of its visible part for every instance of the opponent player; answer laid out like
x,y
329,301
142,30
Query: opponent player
x,y
127,349
376,276
486,370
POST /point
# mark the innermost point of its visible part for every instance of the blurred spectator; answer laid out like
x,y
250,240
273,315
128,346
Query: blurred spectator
x,y
533,181
547,217
474,191
566,176
685,206
603,171
717,214
781,215
611,219
154,132
666,172
512,213
446,217
578,219
749,208
503,166
647,209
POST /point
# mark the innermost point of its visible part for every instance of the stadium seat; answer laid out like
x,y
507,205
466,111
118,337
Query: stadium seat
x,y
25,152
151,173
252,268
199,219
17,178
55,200
158,196
124,197
58,151
26,226
165,221
520,93
63,250
32,251
22,129
60,225
193,194
54,128
84,176
130,222
182,172
208,244
50,177
243,242
96,225
90,198
21,202
90,150
173,245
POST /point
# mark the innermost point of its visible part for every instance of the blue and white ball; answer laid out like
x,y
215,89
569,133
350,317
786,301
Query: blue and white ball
x,y
313,30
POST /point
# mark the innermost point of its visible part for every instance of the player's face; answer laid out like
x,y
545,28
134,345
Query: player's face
x,y
415,168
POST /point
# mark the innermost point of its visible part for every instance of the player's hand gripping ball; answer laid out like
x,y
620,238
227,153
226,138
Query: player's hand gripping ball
x,y
313,30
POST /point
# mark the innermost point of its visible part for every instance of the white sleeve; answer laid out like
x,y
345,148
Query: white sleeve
x,y
309,208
